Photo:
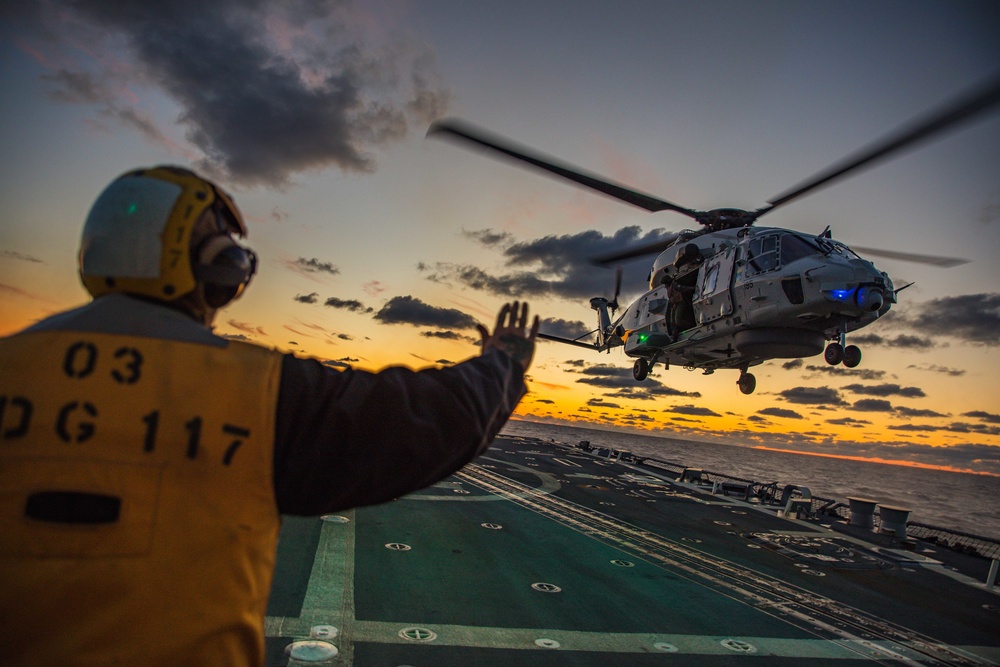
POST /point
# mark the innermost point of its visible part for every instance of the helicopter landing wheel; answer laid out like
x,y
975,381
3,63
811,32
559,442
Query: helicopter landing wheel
x,y
640,369
852,356
747,383
834,354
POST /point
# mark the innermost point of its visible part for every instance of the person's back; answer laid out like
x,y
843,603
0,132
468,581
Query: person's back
x,y
130,484
144,462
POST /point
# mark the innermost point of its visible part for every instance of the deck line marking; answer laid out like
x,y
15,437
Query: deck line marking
x,y
744,584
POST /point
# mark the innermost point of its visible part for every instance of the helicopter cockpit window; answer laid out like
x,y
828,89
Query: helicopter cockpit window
x,y
795,247
762,254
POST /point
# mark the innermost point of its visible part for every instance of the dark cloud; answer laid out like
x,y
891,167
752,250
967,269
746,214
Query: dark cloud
x,y
813,396
780,412
793,364
265,89
571,329
314,265
450,335
860,373
905,341
693,410
352,305
904,411
619,378
601,403
307,298
974,318
848,421
556,266
489,238
872,405
410,310
886,390
984,416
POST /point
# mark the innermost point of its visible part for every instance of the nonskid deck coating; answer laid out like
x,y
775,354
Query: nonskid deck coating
x,y
539,554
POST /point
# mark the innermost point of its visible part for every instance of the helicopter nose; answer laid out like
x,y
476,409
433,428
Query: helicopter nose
x,y
870,299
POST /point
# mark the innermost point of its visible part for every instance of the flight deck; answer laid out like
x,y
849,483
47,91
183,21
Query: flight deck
x,y
545,554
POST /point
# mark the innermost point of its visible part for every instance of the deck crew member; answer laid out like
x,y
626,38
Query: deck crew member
x,y
145,461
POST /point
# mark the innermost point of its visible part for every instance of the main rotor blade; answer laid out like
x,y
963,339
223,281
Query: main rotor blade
x,y
933,260
958,110
653,248
477,136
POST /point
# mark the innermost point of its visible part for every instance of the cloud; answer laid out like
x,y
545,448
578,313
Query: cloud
x,y
307,298
934,368
780,412
314,265
861,373
246,328
557,266
410,310
813,396
352,305
571,329
13,254
793,364
264,89
601,403
848,421
451,335
886,390
489,238
619,379
872,405
904,411
693,410
985,416
905,341
974,318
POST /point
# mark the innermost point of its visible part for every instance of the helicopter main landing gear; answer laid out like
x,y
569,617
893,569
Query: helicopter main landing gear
x,y
747,382
837,353
640,369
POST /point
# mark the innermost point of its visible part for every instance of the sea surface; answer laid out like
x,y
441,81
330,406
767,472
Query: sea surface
x,y
959,501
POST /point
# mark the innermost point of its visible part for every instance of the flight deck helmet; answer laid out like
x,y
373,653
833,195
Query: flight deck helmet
x,y
138,239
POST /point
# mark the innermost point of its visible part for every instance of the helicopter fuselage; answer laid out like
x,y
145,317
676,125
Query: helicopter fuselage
x,y
756,293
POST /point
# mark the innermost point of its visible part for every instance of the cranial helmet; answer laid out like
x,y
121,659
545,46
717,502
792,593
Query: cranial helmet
x,y
137,239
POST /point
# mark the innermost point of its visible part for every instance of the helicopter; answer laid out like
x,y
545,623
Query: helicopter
x,y
732,295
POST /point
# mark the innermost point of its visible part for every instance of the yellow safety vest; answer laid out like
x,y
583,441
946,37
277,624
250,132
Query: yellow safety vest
x,y
138,521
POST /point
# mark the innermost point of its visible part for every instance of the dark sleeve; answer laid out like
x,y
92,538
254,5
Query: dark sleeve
x,y
350,438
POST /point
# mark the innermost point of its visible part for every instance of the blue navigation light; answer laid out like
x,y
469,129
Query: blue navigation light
x,y
840,294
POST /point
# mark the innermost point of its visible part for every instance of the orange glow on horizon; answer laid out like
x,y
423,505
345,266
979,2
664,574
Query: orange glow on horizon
x,y
865,459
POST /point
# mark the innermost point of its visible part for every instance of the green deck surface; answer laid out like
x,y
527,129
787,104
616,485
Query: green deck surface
x,y
538,555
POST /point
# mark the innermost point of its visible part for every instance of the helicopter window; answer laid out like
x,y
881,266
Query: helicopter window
x,y
710,280
795,247
762,254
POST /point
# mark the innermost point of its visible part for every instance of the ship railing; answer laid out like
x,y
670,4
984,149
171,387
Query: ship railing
x,y
975,545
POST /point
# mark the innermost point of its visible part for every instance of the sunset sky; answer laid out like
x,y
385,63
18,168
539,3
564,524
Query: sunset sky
x,y
381,247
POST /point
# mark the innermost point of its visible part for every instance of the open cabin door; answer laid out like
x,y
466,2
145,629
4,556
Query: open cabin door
x,y
712,298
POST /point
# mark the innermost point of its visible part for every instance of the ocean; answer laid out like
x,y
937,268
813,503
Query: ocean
x,y
958,501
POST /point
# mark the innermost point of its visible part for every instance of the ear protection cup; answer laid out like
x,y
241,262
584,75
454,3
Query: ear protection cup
x,y
224,268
